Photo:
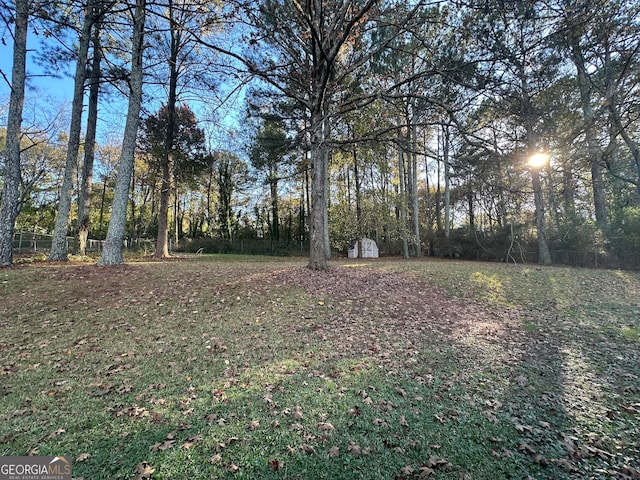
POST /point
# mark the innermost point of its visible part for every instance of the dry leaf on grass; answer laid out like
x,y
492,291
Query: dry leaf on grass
x,y
143,470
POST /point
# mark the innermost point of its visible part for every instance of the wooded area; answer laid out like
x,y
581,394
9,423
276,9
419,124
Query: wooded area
x,y
310,125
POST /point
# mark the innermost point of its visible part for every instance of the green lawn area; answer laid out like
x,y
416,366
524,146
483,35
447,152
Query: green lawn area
x,y
257,368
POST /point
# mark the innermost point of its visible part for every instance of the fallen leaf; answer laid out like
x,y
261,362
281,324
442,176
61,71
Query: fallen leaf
x,y
564,463
354,449
55,434
425,472
334,452
435,461
82,457
306,448
217,458
630,471
325,426
403,421
407,470
379,422
253,425
525,447
8,438
275,465
143,470
540,460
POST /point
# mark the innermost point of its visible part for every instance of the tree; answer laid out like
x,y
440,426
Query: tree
x,y
231,174
186,155
59,242
313,48
9,204
86,176
112,253
267,153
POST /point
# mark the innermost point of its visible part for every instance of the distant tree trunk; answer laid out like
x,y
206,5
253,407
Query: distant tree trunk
x,y
438,195
275,210
9,206
430,214
209,198
447,184
58,251
162,244
112,253
86,180
403,203
356,178
415,200
102,200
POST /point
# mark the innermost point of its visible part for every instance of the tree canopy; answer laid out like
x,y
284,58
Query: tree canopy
x,y
411,123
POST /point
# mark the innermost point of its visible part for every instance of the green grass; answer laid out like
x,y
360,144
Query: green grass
x,y
253,367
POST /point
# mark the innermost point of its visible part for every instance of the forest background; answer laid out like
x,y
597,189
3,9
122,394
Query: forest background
x,y
282,127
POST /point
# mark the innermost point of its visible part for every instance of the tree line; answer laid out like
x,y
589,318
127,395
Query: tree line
x,y
414,123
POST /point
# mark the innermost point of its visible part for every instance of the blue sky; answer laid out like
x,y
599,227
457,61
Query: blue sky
x,y
48,95
44,86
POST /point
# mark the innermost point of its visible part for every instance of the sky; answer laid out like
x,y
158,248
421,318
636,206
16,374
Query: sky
x,y
46,95
44,86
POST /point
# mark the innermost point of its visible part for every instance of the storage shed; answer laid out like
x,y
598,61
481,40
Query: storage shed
x,y
369,249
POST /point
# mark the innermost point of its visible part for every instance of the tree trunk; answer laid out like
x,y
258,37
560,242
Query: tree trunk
x,y
162,247
86,181
275,211
544,257
59,242
112,253
415,200
356,177
9,206
318,214
403,203
593,148
447,186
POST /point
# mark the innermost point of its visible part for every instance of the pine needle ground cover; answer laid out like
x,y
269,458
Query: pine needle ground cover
x,y
237,367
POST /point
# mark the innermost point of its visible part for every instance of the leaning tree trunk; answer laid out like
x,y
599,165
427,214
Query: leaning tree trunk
x,y
59,242
9,207
86,180
112,253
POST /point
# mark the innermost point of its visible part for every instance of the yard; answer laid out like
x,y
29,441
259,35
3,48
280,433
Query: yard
x,y
253,367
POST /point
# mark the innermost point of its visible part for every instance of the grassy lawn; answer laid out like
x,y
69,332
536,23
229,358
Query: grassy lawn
x,y
249,367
